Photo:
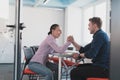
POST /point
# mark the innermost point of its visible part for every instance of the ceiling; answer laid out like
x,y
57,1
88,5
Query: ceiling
x,y
54,3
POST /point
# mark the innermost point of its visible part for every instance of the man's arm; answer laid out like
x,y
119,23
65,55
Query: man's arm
x,y
77,46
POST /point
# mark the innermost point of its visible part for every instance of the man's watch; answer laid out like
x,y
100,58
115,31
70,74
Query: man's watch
x,y
79,57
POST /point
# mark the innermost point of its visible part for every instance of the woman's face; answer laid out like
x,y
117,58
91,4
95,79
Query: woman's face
x,y
56,32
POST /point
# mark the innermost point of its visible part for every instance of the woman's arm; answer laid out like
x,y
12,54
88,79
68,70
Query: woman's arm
x,y
56,48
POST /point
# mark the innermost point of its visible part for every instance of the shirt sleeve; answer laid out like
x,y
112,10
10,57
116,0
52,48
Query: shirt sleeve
x,y
96,44
59,49
86,48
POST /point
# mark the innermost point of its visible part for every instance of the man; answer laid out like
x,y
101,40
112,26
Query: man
x,y
98,50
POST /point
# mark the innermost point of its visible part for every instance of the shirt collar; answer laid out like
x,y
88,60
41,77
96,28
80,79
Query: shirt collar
x,y
97,32
51,36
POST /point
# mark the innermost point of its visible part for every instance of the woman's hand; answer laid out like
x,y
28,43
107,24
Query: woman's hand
x,y
70,39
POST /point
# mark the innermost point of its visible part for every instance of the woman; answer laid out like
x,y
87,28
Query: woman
x,y
39,62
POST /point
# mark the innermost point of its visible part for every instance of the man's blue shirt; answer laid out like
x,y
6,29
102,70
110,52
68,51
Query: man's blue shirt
x,y
98,50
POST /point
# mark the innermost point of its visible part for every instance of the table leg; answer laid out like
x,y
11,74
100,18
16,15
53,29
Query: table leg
x,y
59,70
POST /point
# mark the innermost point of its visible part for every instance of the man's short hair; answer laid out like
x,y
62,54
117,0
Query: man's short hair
x,y
97,21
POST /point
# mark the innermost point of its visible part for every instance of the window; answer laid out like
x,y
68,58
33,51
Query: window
x,y
100,10
88,13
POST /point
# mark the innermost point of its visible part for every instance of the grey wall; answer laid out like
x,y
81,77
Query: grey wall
x,y
115,40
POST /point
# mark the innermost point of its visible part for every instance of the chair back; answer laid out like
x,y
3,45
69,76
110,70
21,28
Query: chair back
x,y
34,48
28,52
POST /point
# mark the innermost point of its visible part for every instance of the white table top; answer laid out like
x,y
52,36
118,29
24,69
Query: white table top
x,y
67,53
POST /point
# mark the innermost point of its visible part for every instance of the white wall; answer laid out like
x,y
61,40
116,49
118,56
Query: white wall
x,y
73,23
37,22
4,9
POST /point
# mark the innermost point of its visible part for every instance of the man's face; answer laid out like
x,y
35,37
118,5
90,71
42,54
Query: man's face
x,y
91,27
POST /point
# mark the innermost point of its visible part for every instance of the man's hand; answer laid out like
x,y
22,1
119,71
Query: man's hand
x,y
75,55
82,55
78,56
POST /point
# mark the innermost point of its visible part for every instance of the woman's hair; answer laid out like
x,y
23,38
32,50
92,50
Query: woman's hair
x,y
96,20
53,27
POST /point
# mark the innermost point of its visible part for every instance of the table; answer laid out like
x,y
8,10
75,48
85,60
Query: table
x,y
68,54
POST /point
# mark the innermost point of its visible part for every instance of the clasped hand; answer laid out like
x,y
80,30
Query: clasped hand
x,y
70,39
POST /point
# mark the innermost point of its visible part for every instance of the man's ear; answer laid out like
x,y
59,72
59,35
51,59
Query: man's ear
x,y
95,25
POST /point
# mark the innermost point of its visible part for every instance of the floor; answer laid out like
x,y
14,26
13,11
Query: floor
x,y
6,72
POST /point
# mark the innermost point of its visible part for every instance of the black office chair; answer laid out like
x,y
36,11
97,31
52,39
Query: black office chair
x,y
28,52
34,48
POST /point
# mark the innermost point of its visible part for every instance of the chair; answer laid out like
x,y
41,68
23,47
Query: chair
x,y
34,48
97,79
28,52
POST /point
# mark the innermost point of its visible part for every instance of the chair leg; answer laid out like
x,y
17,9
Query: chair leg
x,y
66,75
21,77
